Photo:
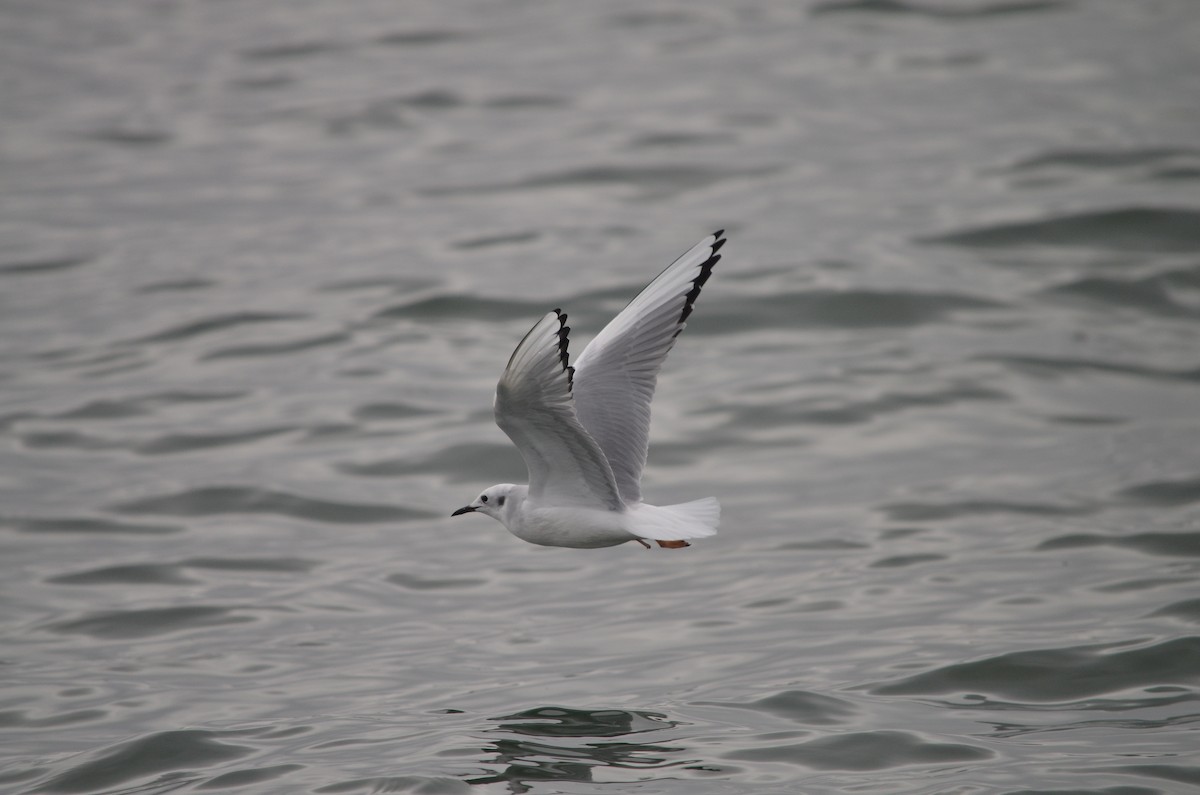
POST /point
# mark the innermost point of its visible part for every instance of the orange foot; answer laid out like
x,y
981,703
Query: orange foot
x,y
673,544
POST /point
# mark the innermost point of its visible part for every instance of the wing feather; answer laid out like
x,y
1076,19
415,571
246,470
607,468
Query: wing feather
x,y
533,406
617,372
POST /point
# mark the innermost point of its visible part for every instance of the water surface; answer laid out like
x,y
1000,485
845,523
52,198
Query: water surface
x,y
260,266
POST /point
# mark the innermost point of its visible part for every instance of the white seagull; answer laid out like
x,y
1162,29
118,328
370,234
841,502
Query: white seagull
x,y
584,430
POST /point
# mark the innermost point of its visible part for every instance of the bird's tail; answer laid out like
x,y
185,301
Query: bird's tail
x,y
694,519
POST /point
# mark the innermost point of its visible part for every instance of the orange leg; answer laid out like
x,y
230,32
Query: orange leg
x,y
673,544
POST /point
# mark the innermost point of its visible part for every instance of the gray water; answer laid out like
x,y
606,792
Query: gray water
x,y
261,264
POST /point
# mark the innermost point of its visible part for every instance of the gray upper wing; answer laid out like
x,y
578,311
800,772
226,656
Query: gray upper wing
x,y
533,406
616,374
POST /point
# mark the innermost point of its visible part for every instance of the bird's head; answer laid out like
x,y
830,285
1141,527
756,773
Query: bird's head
x,y
495,501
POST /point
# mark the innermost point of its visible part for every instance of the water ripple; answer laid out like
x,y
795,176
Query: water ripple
x,y
651,181
940,12
1050,675
215,500
162,445
1164,493
874,750
553,757
154,753
277,348
148,622
860,309
930,511
1174,229
33,267
1178,544
215,323
1060,366
85,524
799,706
459,463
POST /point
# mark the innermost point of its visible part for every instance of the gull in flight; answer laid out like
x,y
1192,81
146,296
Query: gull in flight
x,y
584,430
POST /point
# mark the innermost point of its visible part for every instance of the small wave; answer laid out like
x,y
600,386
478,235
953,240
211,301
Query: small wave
x,y
1151,294
176,285
1063,366
277,348
190,442
421,38
459,306
833,309
673,140
174,573
936,511
132,136
1184,610
40,266
414,582
526,101
255,775
280,565
22,719
1178,544
799,706
395,283
180,750
847,412
652,18
492,241
104,410
651,181
1102,159
383,412
900,561
1164,493
131,574
162,445
460,463
433,785
945,11
214,323
69,440
128,624
291,51
216,500
1052,675
1158,229
138,405
875,750
1151,164
83,524
1180,774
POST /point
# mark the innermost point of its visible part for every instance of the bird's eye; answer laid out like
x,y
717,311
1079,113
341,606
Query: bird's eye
x,y
483,498
500,501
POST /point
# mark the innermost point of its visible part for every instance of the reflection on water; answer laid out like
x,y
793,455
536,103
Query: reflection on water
x,y
526,762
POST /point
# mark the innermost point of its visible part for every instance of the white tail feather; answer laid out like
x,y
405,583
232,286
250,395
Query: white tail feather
x,y
694,519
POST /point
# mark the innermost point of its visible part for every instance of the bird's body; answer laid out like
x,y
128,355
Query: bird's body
x,y
584,431
556,526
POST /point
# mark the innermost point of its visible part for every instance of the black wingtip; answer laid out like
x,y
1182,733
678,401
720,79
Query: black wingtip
x,y
705,271
564,335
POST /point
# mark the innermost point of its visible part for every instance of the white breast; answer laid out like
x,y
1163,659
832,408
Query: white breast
x,y
582,528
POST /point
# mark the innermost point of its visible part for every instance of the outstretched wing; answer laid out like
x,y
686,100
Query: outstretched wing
x,y
533,406
616,374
